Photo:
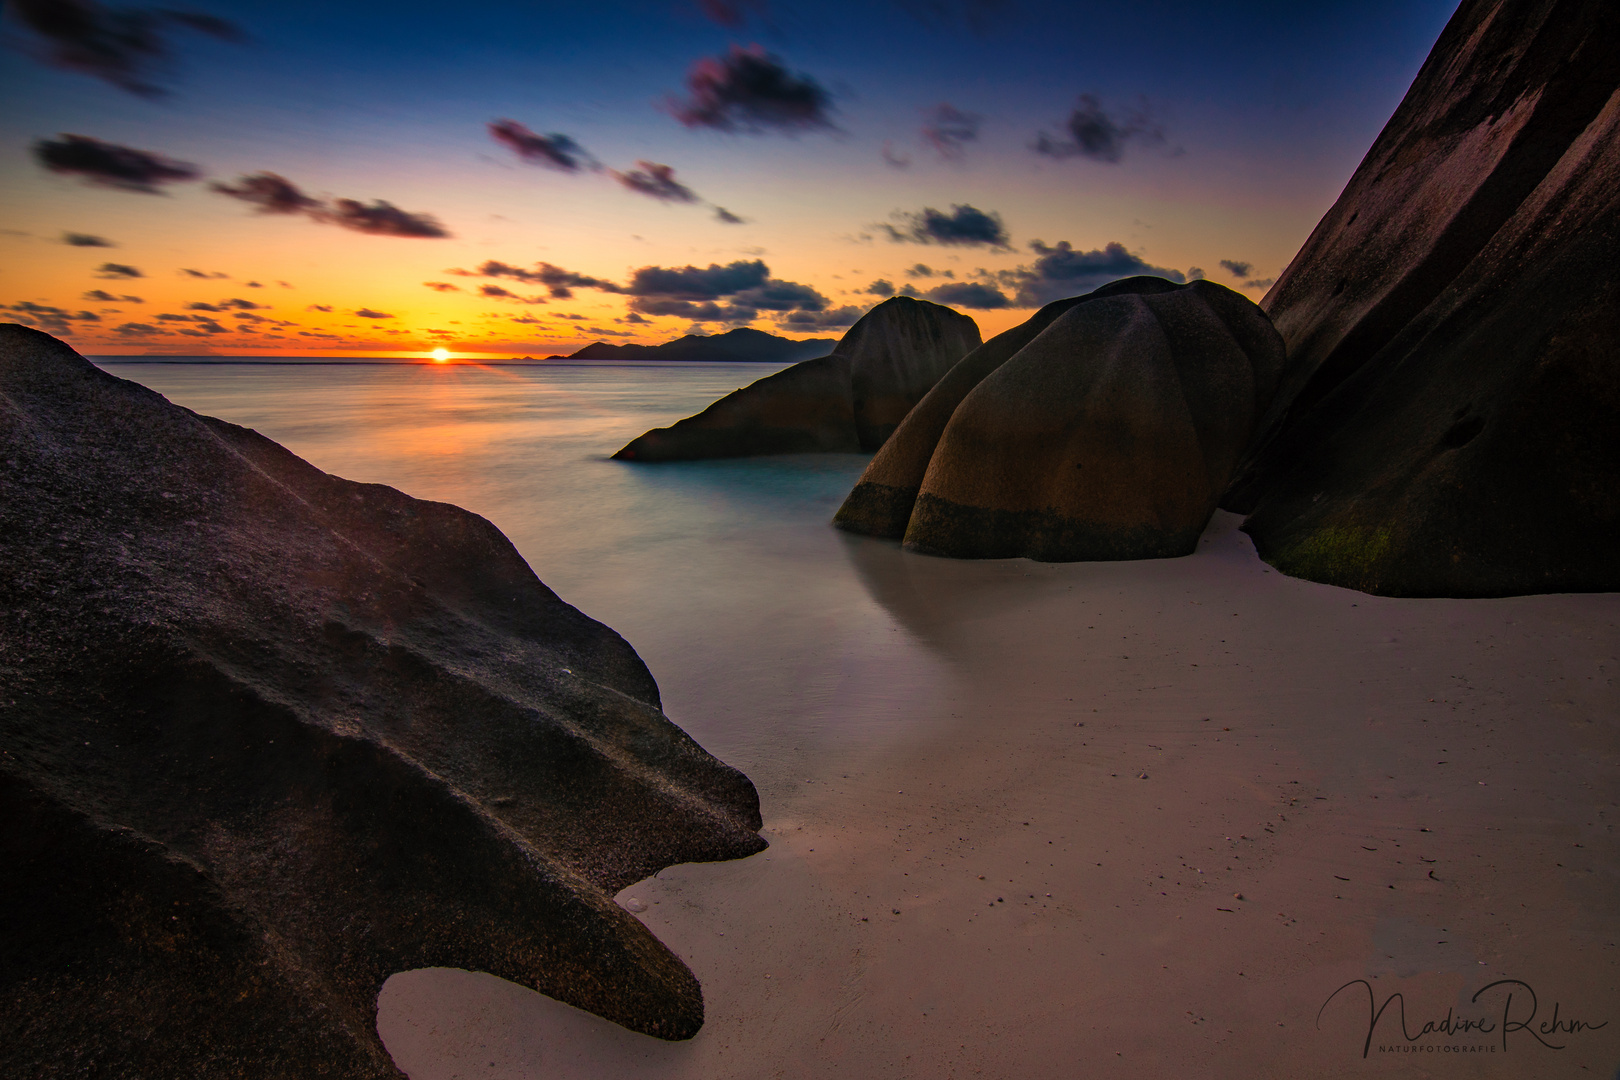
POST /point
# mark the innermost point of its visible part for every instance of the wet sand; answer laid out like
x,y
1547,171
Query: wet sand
x,y
1128,819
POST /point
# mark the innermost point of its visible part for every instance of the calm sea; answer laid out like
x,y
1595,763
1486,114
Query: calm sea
x,y
724,575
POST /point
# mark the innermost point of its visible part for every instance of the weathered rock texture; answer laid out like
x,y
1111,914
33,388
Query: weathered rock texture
x,y
1106,427
1449,424
268,736
848,401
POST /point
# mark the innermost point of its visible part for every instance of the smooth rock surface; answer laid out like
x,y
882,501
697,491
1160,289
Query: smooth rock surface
x,y
848,401
1109,434
1447,424
270,736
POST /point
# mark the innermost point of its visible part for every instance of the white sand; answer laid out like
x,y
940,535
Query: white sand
x,y
1419,793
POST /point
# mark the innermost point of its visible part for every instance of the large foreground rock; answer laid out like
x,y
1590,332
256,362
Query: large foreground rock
x,y
268,736
848,401
1450,420
1106,427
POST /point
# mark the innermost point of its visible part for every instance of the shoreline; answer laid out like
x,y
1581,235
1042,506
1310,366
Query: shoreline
x,y
1420,794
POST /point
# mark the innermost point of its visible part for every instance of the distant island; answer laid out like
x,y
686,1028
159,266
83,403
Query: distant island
x,y
740,344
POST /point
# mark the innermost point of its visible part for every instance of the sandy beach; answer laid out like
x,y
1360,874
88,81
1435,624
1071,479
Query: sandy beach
x,y
1116,819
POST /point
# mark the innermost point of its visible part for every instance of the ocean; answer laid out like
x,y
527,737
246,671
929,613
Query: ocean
x,y
726,576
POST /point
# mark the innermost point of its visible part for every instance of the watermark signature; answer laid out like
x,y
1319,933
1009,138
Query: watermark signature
x,y
1553,1033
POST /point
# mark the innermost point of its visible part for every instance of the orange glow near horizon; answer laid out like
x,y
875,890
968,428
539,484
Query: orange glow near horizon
x,y
441,356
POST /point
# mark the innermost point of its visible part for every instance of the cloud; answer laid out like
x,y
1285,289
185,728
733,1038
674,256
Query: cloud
x,y
894,157
108,298
79,239
748,89
205,275
880,287
326,308
964,226
726,217
46,317
442,286
367,313
1238,268
921,270
138,328
1260,283
833,318
1061,271
1195,273
273,194
656,181
969,294
560,282
554,151
127,47
117,272
228,305
948,129
109,165
734,293
1094,134
731,13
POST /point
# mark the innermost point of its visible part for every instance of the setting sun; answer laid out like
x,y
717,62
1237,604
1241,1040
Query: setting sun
x,y
440,356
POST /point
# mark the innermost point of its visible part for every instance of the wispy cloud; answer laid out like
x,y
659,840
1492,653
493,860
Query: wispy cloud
x,y
948,130
1238,268
749,89
554,151
117,271
1061,271
128,47
110,165
108,298
272,194
655,181
77,239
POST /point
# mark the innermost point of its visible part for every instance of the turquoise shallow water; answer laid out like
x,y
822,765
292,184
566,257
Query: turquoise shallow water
x,y
725,575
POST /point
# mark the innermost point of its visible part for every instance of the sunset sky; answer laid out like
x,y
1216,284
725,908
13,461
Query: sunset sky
x,y
337,179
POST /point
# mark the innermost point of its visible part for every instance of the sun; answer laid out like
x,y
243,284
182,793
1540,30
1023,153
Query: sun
x,y
441,356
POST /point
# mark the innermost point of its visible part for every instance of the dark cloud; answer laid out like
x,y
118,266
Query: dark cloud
x,y
108,298
1260,283
894,157
560,282
964,226
47,317
1238,268
79,239
117,271
1094,134
367,313
726,217
215,275
110,165
969,294
228,305
327,308
442,286
734,293
634,318
908,290
127,47
917,270
948,129
273,194
748,89
554,151
497,292
138,328
254,285
656,181
1061,271
833,318
880,287
1195,273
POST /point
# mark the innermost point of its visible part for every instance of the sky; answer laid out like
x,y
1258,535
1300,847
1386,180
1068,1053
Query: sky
x,y
520,179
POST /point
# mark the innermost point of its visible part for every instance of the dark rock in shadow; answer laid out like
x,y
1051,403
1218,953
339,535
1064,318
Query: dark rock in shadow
x,y
270,736
1446,426
849,401
1106,427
